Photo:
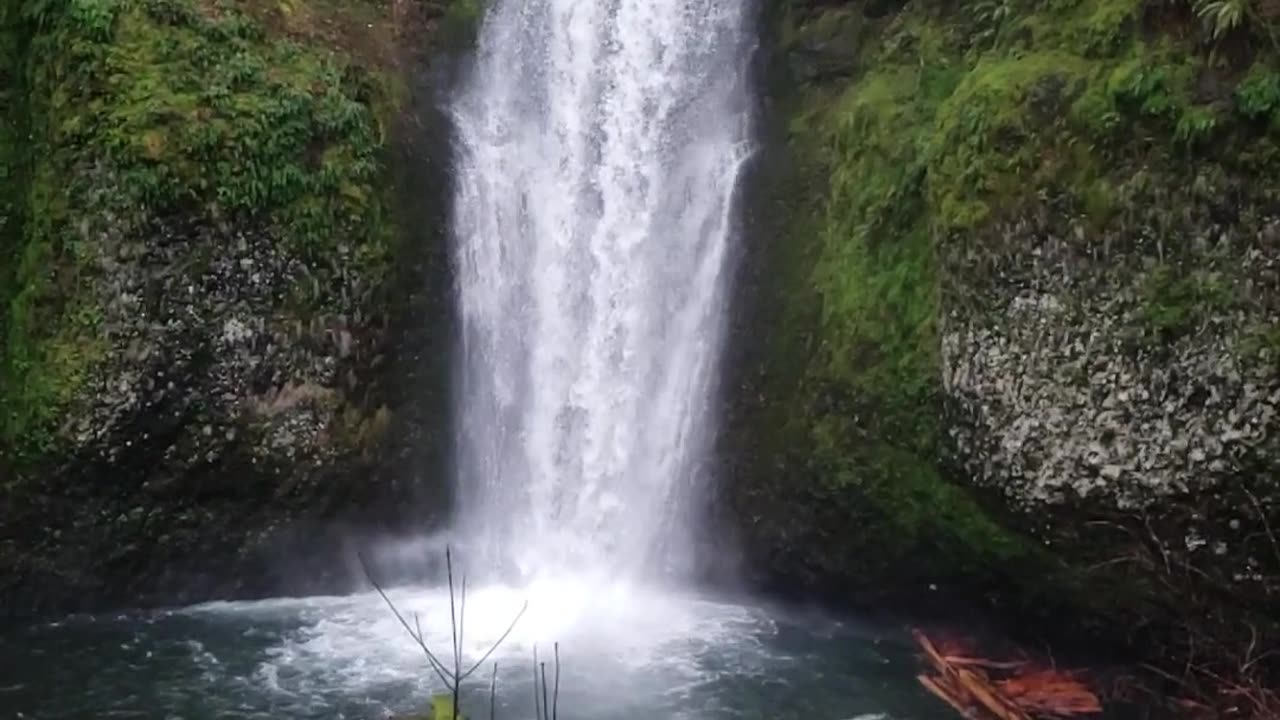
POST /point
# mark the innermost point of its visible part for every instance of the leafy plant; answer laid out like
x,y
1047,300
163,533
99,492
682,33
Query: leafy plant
x,y
1196,125
95,16
1258,94
989,18
1222,17
1174,303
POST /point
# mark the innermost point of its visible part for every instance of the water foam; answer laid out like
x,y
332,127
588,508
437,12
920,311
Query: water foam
x,y
619,643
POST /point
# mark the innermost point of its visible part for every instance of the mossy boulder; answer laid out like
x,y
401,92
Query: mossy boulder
x,y
204,276
1010,301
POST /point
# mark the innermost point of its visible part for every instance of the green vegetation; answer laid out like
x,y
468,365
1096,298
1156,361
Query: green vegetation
x,y
148,111
1262,341
1257,96
956,121
13,132
461,22
1173,305
1223,17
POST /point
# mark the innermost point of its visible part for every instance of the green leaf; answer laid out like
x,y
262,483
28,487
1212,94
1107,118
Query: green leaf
x,y
442,707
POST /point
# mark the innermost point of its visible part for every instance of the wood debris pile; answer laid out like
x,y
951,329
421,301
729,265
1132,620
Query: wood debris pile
x,y
983,689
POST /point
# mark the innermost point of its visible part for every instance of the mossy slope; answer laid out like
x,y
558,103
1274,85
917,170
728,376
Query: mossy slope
x,y
141,110
935,162
201,265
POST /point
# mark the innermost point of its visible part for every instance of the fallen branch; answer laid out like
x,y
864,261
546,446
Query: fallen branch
x,y
946,695
1023,693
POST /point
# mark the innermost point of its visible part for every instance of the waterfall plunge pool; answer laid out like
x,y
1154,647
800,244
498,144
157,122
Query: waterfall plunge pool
x,y
625,653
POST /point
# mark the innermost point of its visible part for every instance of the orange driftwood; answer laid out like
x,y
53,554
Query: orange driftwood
x,y
967,685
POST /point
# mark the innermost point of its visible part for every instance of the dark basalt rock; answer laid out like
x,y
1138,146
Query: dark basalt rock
x,y
248,409
1006,335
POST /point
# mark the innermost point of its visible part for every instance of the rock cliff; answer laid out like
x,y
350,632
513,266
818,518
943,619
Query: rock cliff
x,y
222,326
1009,314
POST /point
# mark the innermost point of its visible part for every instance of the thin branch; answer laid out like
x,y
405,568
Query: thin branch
x,y
493,647
1113,561
1266,524
453,613
1164,674
555,697
457,615
536,712
1248,653
462,617
453,626
435,664
1155,540
545,705
493,693
440,668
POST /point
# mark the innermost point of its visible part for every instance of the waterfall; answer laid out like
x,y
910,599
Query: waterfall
x,y
599,143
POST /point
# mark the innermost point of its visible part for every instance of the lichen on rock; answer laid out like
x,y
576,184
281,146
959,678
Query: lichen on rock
x,y
198,290
1077,394
1017,300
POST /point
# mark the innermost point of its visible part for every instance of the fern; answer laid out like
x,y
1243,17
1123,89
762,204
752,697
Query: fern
x,y
1196,125
989,18
1258,94
1222,17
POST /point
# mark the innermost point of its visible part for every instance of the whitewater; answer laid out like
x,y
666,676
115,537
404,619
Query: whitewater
x,y
599,145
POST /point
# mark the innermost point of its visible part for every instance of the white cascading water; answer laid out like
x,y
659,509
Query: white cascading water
x,y
600,142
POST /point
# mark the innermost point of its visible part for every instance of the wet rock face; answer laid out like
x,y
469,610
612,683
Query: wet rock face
x,y
826,50
1020,338
227,356
196,331
1064,403
216,420
1086,384
1125,429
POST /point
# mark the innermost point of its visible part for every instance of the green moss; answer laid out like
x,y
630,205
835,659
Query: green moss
x,y
877,295
1257,96
1155,83
1102,28
915,509
13,155
875,271
958,117
461,23
1261,341
208,112
147,109
991,134
1174,303
858,326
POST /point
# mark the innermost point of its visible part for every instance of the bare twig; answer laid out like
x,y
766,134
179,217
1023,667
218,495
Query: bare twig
x,y
545,705
1248,652
453,623
1162,673
500,640
1155,541
422,642
1266,524
555,697
462,615
453,679
493,693
536,706
435,664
